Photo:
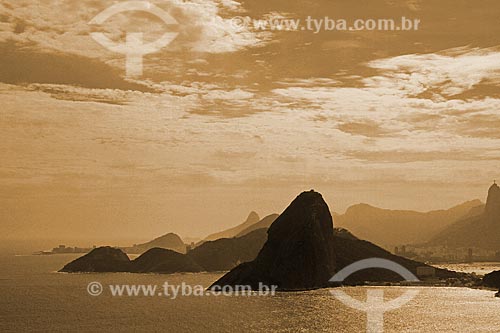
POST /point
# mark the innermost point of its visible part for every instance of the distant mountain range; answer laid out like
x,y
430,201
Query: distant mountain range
x,y
226,253
264,223
252,218
384,227
169,241
300,250
389,228
479,230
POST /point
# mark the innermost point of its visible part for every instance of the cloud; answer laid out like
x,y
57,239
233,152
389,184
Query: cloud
x,y
26,63
77,94
236,94
448,73
204,26
204,29
480,125
409,95
311,82
365,128
410,156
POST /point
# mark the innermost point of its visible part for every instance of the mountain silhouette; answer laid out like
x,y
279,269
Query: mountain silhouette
x,y
252,218
481,231
155,260
389,228
158,260
226,253
264,223
169,241
300,250
303,251
298,253
212,256
492,210
350,249
102,259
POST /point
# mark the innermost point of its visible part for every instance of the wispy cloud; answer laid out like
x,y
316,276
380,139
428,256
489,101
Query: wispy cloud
x,y
448,73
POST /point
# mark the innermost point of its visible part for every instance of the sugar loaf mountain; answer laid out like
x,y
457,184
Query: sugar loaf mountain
x,y
297,250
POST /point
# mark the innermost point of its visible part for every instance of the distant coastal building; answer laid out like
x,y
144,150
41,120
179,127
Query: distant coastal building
x,y
400,251
469,255
61,249
426,272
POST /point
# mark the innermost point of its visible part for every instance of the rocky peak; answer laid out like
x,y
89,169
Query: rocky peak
x,y
299,252
252,218
493,202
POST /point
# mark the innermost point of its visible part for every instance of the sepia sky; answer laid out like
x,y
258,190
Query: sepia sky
x,y
229,119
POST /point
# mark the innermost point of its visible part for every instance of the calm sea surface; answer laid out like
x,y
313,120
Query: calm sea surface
x,y
35,298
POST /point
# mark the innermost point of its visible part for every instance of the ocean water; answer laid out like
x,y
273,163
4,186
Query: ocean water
x,y
33,297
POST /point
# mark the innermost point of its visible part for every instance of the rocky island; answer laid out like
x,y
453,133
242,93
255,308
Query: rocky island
x,y
211,256
100,260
